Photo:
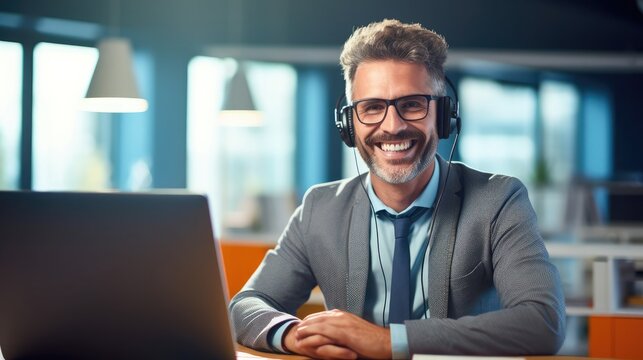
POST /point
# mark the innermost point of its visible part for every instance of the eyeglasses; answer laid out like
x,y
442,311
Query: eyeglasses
x,y
410,108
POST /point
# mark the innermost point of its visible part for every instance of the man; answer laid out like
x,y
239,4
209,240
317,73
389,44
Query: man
x,y
478,282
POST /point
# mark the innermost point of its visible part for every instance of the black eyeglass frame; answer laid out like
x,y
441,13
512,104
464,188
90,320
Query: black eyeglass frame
x,y
393,102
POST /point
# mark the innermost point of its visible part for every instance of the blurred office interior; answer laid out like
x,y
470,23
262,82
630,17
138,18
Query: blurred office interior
x,y
551,91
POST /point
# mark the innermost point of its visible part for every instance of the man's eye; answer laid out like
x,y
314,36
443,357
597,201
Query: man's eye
x,y
372,108
411,105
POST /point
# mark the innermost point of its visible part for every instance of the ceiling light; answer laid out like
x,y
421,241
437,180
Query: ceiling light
x,y
238,106
113,86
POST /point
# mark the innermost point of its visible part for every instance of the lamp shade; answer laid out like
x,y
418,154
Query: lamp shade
x,y
238,107
113,86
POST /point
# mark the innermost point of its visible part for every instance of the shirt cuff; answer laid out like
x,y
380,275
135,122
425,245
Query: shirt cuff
x,y
277,336
399,342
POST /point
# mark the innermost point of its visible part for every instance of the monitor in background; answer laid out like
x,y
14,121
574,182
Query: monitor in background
x,y
110,276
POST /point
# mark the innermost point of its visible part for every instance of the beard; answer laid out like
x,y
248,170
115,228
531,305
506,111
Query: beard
x,y
394,171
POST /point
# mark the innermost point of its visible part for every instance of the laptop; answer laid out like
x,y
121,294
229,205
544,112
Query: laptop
x,y
110,276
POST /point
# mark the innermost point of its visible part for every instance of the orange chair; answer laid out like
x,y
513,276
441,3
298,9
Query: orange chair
x,y
240,260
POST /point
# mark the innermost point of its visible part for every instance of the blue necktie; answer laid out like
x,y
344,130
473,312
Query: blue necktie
x,y
400,308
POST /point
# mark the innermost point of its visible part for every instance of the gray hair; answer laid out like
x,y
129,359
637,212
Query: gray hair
x,y
394,40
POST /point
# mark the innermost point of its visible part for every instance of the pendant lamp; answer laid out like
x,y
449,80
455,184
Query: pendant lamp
x,y
238,106
113,87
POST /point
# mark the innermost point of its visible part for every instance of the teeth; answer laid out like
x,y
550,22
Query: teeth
x,y
396,147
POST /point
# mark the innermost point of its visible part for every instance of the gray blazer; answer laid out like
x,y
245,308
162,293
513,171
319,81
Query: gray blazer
x,y
492,289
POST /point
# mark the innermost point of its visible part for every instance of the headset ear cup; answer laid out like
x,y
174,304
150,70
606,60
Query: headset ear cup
x,y
347,120
443,118
344,123
454,123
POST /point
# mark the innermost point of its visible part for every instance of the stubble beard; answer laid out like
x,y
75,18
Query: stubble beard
x,y
400,174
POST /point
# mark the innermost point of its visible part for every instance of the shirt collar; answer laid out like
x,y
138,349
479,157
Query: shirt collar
x,y
426,198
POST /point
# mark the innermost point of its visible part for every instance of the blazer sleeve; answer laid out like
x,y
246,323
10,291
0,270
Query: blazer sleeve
x,y
532,317
278,287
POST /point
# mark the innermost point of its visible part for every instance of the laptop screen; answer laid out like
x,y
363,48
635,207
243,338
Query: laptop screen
x,y
110,275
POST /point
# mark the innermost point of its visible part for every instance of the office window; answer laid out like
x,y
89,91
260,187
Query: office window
x,y
10,113
555,202
70,147
248,172
498,128
559,104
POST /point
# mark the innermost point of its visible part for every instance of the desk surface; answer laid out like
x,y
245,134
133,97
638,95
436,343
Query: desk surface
x,y
245,353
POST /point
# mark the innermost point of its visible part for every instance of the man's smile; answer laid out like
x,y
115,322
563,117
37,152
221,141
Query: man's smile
x,y
396,146
397,149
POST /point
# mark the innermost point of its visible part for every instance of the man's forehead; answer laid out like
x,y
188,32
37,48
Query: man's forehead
x,y
376,76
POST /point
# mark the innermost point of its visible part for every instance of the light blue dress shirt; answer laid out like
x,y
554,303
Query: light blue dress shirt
x,y
374,310
418,242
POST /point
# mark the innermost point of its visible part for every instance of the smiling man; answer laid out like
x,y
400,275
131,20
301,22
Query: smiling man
x,y
399,147
416,256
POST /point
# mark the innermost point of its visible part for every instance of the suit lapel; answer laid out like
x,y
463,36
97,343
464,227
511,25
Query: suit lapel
x,y
441,252
358,254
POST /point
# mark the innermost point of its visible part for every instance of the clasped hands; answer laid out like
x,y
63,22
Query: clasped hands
x,y
336,334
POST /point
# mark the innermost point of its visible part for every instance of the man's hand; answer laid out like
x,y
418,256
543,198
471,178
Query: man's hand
x,y
341,330
315,346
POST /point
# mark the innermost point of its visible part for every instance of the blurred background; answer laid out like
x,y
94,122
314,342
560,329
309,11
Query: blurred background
x,y
551,91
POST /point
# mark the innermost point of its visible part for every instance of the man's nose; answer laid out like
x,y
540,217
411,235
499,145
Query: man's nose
x,y
392,122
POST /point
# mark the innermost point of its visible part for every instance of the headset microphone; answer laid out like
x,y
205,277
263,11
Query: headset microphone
x,y
435,214
454,124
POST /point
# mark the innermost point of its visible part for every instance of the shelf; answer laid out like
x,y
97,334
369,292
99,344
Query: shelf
x,y
579,311
624,312
566,250
609,274
588,311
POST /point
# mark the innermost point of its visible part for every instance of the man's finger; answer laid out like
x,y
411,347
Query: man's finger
x,y
322,314
335,352
314,341
334,333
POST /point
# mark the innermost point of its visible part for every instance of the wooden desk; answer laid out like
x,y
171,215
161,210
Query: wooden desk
x,y
245,353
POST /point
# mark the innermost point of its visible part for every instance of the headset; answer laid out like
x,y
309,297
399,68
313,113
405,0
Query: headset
x,y
448,122
447,118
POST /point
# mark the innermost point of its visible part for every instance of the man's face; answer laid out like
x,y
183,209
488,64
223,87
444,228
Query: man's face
x,y
396,151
